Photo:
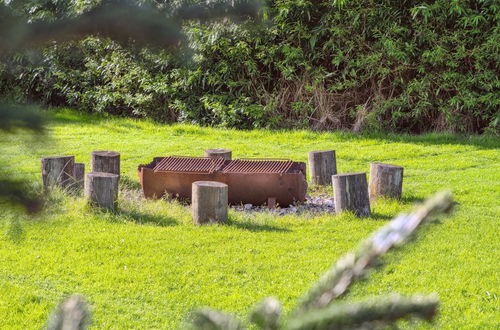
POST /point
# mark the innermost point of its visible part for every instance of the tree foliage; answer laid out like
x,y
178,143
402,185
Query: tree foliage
x,y
382,65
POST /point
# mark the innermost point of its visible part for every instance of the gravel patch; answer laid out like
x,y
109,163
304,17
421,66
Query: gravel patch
x,y
320,203
313,204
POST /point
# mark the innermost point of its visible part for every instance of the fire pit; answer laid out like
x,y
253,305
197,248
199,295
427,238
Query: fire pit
x,y
253,181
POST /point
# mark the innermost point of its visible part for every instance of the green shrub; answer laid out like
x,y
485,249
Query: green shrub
x,y
379,65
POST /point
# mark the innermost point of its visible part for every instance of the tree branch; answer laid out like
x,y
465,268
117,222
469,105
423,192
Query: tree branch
x,y
353,265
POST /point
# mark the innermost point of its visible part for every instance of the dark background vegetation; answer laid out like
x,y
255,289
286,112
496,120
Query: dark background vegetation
x,y
404,66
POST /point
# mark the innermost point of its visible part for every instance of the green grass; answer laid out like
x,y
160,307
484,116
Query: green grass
x,y
148,266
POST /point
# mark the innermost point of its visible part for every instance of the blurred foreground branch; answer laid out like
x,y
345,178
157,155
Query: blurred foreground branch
x,y
71,314
14,191
209,319
13,116
17,192
120,20
377,311
353,265
267,313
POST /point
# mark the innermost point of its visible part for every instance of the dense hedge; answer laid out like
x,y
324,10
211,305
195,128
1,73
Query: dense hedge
x,y
380,65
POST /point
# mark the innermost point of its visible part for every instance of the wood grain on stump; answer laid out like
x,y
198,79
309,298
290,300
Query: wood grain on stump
x,y
226,153
58,172
322,165
209,202
79,171
386,180
101,190
106,162
351,193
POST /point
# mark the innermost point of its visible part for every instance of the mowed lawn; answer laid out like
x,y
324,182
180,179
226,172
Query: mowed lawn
x,y
148,266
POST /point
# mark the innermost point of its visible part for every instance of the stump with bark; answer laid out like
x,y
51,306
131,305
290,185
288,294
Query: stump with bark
x,y
106,162
386,180
58,172
351,193
101,190
209,202
79,171
322,165
226,153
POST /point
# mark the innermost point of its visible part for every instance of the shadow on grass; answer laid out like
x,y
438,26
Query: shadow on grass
x,y
478,141
67,116
411,199
255,227
137,217
380,217
74,117
147,218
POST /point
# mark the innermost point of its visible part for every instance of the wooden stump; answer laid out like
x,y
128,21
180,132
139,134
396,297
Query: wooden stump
x,y
322,165
106,162
271,203
209,202
226,153
101,190
79,171
58,172
351,193
386,180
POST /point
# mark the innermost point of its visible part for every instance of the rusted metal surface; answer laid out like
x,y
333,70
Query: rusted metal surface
x,y
189,164
254,181
247,165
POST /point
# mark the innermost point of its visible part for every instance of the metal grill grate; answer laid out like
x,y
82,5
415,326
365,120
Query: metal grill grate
x,y
258,166
189,164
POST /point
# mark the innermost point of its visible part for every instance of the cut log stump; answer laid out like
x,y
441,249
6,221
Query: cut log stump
x,y
79,171
351,193
58,172
322,165
209,202
386,180
106,162
226,153
101,190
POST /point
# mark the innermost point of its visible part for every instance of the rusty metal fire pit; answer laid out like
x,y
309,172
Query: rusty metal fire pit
x,y
254,181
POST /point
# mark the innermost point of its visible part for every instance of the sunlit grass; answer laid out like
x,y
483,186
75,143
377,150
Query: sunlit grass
x,y
147,266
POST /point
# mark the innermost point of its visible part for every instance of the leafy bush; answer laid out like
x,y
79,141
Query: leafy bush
x,y
380,65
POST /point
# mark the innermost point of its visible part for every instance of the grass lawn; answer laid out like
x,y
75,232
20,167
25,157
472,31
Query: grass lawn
x,y
148,266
